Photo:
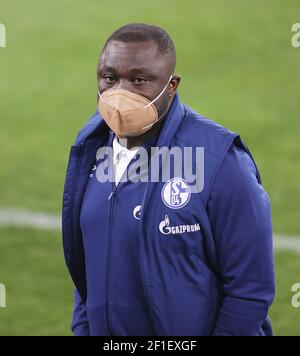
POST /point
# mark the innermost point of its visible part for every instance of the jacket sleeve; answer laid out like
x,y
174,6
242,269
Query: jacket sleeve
x,y
240,215
80,324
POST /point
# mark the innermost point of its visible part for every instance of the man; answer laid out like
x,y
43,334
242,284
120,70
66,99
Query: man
x,y
156,257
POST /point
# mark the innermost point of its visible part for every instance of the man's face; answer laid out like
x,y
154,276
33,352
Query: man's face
x,y
140,68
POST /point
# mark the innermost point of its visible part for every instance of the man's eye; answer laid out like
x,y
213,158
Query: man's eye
x,y
139,81
109,79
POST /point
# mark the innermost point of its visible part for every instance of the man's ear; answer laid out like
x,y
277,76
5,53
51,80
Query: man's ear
x,y
174,83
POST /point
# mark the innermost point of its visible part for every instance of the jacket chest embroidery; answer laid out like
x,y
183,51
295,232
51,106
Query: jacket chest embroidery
x,y
166,228
176,193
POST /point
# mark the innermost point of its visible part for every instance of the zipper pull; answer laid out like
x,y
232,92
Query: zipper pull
x,y
112,193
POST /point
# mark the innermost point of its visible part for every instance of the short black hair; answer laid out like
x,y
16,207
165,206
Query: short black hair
x,y
141,32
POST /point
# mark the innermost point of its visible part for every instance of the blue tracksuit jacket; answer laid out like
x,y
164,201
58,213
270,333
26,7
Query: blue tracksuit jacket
x,y
143,267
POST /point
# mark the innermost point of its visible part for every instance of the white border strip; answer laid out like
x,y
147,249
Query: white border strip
x,y
25,218
290,243
45,221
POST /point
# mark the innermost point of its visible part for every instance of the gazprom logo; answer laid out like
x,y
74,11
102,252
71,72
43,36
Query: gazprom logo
x,y
166,229
2,35
176,193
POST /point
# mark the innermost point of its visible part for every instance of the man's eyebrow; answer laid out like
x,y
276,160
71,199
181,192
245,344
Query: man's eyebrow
x,y
134,70
139,70
106,69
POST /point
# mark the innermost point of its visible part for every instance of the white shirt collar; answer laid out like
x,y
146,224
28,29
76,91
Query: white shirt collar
x,y
118,148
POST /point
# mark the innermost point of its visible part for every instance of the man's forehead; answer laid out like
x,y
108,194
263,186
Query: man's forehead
x,y
134,56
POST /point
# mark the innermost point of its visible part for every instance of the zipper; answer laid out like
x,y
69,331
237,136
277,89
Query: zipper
x,y
109,251
108,259
112,193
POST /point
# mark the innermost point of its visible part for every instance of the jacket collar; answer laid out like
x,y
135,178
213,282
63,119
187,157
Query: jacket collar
x,y
172,122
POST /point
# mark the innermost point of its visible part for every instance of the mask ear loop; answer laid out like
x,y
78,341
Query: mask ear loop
x,y
100,96
154,101
161,93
